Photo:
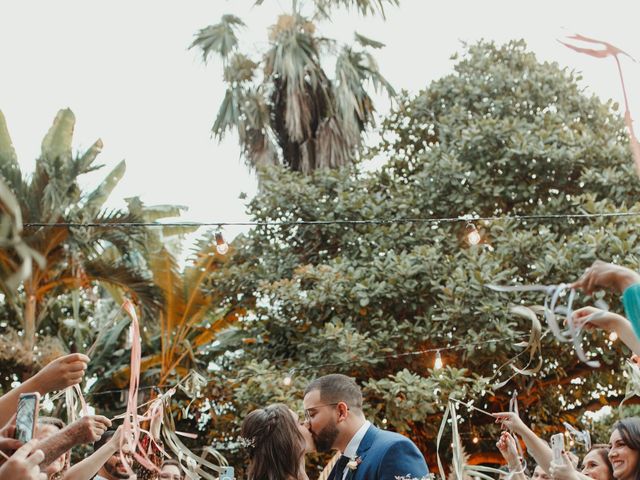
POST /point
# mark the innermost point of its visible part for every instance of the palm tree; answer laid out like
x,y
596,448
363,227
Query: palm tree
x,y
191,325
294,114
74,256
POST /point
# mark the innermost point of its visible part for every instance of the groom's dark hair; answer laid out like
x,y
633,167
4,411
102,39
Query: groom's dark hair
x,y
336,388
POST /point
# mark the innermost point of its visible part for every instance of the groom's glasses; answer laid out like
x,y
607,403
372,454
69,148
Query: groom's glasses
x,y
308,413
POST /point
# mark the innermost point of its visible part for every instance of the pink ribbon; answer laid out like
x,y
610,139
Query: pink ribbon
x,y
131,426
612,51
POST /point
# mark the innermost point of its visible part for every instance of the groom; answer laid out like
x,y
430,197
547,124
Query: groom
x,y
333,412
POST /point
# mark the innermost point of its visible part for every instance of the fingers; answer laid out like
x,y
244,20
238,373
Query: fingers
x,y
35,458
9,443
75,357
24,451
72,367
103,420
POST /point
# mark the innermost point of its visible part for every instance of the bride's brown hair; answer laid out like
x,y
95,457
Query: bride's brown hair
x,y
275,444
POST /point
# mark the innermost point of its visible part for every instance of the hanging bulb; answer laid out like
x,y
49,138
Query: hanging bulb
x,y
222,247
613,336
288,379
437,365
475,440
473,235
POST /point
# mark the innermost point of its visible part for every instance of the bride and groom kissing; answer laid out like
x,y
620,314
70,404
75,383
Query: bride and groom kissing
x,y
277,440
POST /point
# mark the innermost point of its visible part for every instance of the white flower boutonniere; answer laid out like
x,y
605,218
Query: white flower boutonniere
x,y
353,464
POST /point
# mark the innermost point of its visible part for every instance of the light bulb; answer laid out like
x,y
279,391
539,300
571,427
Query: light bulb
x,y
475,440
222,247
437,365
473,236
613,336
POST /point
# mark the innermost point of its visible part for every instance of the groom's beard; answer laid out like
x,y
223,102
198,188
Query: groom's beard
x,y
325,438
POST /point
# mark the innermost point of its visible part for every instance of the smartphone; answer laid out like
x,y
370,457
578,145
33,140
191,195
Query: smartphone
x,y
27,416
557,447
227,474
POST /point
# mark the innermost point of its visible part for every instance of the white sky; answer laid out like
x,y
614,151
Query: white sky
x,y
124,69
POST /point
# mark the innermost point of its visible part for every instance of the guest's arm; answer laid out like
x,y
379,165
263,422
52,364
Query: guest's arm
x,y
507,447
87,468
84,430
536,447
590,318
57,375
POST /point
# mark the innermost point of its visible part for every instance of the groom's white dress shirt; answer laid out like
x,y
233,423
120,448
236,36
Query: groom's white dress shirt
x,y
354,444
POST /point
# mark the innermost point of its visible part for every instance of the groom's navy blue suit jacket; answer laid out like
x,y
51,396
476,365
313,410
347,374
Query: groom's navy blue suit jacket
x,y
386,455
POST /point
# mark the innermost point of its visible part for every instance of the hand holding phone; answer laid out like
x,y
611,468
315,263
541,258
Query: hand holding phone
x,y
27,416
557,447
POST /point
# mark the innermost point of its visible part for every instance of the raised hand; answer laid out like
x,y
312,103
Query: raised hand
x,y
563,470
510,421
606,276
509,450
61,373
88,429
591,318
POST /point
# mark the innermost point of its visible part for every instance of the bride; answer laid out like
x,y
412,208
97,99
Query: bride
x,y
277,443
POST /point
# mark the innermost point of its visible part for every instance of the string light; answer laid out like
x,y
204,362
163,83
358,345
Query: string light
x,y
222,247
437,364
288,379
613,336
475,440
473,235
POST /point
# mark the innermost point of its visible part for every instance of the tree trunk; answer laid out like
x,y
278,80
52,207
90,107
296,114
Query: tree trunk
x,y
30,322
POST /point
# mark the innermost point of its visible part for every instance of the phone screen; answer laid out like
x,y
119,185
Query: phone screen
x,y
26,417
227,474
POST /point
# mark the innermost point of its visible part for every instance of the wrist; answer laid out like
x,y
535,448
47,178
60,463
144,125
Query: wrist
x,y
626,279
32,385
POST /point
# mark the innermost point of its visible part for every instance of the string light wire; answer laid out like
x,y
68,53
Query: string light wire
x,y
282,223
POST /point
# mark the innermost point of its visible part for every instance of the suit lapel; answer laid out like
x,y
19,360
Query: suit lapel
x,y
364,447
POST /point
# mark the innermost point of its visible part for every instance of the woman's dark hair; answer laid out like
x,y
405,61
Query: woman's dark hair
x,y
602,449
274,442
629,429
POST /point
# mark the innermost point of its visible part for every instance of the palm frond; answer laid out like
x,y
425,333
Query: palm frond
x,y
95,200
220,39
57,142
9,168
140,288
84,163
364,7
229,113
368,42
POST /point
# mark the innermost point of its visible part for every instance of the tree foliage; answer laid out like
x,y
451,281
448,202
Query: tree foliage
x,y
504,134
73,258
283,104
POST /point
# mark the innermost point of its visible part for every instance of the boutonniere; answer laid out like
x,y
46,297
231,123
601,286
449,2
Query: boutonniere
x,y
353,464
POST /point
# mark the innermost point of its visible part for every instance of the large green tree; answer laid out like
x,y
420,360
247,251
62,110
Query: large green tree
x,y
283,104
504,134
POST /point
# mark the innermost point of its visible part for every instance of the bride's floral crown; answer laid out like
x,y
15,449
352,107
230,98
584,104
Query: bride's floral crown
x,y
248,443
